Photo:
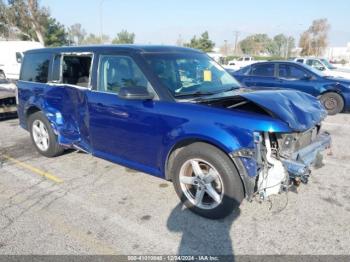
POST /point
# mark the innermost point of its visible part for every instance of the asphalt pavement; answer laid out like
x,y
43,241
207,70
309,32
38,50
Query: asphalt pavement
x,y
79,204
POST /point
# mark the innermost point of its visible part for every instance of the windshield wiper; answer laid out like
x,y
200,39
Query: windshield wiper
x,y
230,89
194,94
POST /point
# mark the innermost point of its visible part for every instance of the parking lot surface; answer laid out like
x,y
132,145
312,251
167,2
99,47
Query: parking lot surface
x,y
78,204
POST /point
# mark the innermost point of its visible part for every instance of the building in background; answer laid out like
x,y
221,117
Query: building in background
x,y
338,53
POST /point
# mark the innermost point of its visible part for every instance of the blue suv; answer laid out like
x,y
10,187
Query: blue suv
x,y
174,113
334,93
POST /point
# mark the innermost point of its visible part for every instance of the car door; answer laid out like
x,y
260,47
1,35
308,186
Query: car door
x,y
260,76
122,130
295,77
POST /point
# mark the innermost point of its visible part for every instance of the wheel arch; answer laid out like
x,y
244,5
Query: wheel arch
x,y
31,110
181,143
334,90
188,141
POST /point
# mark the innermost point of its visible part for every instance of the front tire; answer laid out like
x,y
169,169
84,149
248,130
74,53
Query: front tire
x,y
206,181
43,137
332,102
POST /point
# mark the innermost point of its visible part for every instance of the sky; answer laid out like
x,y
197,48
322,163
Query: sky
x,y
163,21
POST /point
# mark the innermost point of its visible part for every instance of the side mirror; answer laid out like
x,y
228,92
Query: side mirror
x,y
135,93
321,68
306,77
19,57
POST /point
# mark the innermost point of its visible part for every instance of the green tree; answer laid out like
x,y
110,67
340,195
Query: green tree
x,y
124,37
203,43
256,44
315,39
290,45
29,21
92,39
280,41
28,17
76,34
55,33
283,45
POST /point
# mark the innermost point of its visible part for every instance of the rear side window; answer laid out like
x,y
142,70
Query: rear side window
x,y
35,67
291,72
263,70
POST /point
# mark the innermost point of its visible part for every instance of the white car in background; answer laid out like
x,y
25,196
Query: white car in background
x,y
240,62
323,65
11,54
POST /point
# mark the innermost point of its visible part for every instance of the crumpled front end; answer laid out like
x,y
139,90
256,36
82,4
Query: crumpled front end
x,y
280,159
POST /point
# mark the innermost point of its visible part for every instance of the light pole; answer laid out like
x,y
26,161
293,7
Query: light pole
x,y
236,40
101,21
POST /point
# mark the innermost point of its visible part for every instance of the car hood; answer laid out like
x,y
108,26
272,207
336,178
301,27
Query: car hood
x,y
341,80
299,110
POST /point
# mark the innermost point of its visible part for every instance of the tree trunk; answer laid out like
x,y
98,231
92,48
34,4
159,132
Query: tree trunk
x,y
32,6
38,34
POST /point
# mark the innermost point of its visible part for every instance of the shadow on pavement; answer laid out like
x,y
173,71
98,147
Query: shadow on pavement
x,y
201,236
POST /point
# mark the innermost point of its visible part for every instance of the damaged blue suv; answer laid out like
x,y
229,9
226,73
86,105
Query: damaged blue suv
x,y
174,113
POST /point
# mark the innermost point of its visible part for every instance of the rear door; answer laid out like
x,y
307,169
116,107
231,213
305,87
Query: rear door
x,y
68,85
260,76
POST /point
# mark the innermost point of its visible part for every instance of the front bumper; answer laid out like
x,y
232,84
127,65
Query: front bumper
x,y
301,161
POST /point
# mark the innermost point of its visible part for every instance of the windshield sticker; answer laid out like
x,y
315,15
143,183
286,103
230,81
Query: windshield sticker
x,y
207,76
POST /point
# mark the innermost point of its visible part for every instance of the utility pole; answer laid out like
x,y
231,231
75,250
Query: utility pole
x,y
101,20
225,48
237,33
287,47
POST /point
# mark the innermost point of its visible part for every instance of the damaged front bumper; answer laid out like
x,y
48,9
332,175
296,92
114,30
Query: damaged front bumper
x,y
267,173
300,163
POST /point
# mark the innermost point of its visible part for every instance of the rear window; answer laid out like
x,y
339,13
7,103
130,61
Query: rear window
x,y
35,67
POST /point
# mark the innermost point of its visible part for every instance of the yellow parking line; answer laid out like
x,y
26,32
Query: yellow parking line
x,y
34,169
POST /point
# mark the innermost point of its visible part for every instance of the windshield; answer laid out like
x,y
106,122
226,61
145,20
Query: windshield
x,y
314,70
327,64
190,74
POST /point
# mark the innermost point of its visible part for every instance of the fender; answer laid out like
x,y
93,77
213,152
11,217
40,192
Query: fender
x,y
225,129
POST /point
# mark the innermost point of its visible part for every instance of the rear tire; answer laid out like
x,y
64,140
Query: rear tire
x,y
332,102
43,137
218,173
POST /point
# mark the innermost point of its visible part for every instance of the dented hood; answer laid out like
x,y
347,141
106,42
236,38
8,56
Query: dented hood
x,y
299,110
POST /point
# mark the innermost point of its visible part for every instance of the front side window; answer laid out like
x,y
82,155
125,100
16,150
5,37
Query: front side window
x,y
116,72
267,70
35,67
244,70
291,72
190,74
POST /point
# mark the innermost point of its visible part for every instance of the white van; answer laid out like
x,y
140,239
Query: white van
x,y
11,54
